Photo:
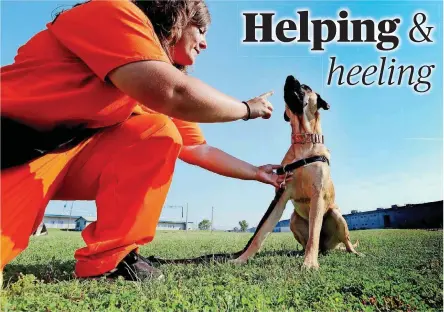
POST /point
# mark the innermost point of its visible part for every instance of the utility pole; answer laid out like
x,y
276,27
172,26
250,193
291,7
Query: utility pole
x,y
70,213
212,215
186,219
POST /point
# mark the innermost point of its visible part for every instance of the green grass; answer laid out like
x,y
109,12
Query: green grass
x,y
402,271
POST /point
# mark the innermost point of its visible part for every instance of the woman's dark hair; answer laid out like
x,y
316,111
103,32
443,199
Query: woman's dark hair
x,y
170,17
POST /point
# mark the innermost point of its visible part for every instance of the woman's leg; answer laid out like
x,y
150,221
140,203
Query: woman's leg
x,y
25,192
128,171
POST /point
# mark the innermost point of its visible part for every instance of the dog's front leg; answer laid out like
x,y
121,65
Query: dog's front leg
x,y
317,210
264,230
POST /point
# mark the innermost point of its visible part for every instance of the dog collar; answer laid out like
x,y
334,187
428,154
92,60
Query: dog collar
x,y
302,138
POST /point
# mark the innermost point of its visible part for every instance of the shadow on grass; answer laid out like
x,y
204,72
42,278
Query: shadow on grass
x,y
49,272
282,253
222,257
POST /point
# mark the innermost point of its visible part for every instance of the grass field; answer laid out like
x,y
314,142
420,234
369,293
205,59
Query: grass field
x,y
402,271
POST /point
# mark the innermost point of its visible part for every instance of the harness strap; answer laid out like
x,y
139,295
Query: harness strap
x,y
300,163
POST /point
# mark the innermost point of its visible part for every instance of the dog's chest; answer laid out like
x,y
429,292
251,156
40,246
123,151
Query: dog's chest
x,y
302,206
308,182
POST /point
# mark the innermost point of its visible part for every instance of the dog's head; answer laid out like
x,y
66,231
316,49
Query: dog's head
x,y
299,98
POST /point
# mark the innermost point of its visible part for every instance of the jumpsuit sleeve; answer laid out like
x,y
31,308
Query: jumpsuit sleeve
x,y
190,131
108,34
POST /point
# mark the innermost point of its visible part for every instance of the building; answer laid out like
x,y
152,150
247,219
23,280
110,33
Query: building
x,y
282,226
173,225
426,215
82,222
60,221
78,223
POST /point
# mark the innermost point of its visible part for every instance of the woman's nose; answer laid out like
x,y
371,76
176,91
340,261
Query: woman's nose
x,y
203,44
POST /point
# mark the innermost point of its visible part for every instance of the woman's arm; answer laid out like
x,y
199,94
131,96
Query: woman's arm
x,y
217,161
165,89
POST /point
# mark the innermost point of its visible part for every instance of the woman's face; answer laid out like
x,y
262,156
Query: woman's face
x,y
189,45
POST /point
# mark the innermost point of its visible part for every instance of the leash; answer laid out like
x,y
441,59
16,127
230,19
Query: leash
x,y
223,257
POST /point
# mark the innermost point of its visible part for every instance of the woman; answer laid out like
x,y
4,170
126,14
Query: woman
x,y
117,69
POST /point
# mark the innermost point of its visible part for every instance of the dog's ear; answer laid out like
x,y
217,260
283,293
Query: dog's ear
x,y
286,117
321,103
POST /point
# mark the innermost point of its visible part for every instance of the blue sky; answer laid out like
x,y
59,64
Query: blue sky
x,y
386,142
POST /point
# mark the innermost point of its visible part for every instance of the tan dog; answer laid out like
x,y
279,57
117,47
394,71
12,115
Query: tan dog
x,y
316,223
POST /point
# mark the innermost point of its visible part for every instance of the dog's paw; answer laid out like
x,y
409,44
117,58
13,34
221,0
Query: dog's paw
x,y
310,266
360,254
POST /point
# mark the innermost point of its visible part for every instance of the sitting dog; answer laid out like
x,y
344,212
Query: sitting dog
x,y
316,223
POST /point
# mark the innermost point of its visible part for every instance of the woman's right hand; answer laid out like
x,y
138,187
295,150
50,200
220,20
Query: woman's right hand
x,y
260,106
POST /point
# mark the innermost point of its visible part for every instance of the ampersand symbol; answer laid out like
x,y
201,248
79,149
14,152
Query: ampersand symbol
x,y
425,37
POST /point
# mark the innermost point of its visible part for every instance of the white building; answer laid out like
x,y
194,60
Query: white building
x,y
60,221
78,223
173,225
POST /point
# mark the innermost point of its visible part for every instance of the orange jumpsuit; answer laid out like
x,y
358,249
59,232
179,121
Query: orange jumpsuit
x,y
60,76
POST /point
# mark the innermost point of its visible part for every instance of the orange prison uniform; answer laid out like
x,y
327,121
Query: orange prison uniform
x,y
59,76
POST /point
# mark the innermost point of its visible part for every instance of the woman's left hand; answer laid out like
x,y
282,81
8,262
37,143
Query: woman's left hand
x,y
266,174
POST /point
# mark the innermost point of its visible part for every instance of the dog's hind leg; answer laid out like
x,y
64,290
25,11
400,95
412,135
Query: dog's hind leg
x,y
262,233
329,234
299,227
343,232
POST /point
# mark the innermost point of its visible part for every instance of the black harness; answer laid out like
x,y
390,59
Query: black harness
x,y
302,162
223,257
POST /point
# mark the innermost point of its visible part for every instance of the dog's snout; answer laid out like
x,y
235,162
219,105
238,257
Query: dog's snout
x,y
291,83
290,78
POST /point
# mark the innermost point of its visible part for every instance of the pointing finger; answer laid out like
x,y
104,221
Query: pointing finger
x,y
267,94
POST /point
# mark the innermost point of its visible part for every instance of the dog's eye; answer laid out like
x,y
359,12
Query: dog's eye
x,y
306,88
